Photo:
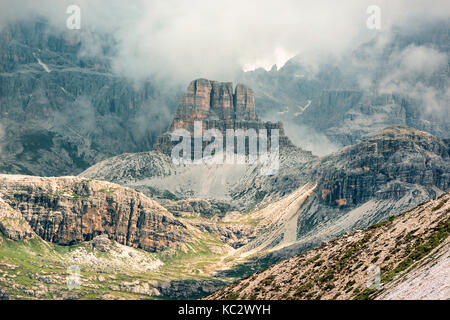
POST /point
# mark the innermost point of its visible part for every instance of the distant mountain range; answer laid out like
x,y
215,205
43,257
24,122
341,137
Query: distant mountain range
x,y
78,111
390,80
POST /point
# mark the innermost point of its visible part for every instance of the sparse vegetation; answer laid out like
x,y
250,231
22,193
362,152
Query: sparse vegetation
x,y
341,269
302,289
440,233
268,281
365,294
40,268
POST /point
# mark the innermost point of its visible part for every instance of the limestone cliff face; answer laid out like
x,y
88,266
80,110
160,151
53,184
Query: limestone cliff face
x,y
70,210
12,224
382,166
94,114
218,107
210,101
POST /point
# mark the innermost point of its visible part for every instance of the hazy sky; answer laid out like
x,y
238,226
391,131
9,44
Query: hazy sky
x,y
205,38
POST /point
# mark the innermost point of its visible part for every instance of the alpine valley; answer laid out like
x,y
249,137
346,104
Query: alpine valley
x,y
88,188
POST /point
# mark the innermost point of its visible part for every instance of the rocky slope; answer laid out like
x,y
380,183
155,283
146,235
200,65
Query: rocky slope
x,y
308,203
104,269
217,107
428,281
71,210
122,244
375,262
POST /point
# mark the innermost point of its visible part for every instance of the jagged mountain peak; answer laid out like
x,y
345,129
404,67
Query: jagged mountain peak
x,y
217,106
398,131
214,100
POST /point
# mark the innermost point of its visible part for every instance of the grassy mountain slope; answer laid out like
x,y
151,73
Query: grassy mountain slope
x,y
342,268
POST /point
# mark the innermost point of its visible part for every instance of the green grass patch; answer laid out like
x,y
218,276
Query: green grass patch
x,y
302,289
437,237
365,294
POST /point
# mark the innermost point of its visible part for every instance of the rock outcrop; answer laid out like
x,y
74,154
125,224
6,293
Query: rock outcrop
x,y
211,101
70,210
217,107
12,224
101,243
382,165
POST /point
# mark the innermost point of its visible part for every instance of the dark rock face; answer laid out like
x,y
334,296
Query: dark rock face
x,y
76,112
71,210
3,296
217,107
12,224
201,206
380,166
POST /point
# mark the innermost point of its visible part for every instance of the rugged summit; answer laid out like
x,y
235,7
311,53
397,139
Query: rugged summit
x,y
210,101
217,107
383,166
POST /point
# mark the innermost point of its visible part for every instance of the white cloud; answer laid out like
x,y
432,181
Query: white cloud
x,y
182,40
420,61
410,72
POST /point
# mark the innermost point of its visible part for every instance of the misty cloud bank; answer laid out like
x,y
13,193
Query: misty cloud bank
x,y
173,42
411,71
182,40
